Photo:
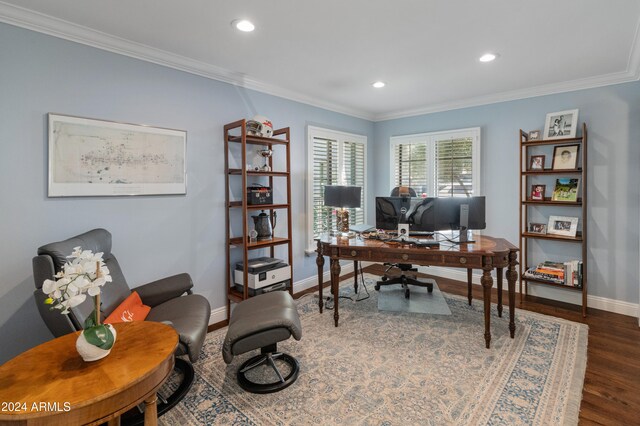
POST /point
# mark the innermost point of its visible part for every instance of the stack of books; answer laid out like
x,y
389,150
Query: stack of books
x,y
567,273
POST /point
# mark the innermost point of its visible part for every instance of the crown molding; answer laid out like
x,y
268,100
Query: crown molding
x,y
531,92
59,28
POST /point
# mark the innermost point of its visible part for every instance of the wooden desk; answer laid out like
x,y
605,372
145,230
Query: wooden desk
x,y
485,253
51,384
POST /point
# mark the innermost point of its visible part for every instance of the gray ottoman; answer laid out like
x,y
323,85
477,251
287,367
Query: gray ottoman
x,y
260,323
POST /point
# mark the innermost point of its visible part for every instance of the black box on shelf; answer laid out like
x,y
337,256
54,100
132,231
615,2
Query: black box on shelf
x,y
258,195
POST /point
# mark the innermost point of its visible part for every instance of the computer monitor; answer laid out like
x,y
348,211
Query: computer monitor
x,y
430,214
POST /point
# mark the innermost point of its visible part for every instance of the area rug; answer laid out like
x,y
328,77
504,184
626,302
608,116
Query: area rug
x,y
390,368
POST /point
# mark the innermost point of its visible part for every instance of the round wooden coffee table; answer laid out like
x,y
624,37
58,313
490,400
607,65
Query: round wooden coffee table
x,y
51,384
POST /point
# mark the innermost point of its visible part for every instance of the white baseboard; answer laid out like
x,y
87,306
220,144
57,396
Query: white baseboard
x,y
218,315
562,295
596,302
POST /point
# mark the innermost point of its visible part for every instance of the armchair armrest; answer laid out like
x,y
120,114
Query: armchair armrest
x,y
157,292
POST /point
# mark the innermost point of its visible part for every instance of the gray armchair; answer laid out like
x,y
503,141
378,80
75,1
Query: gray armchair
x,y
170,299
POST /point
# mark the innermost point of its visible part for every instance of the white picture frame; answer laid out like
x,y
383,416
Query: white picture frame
x,y
91,157
561,124
563,225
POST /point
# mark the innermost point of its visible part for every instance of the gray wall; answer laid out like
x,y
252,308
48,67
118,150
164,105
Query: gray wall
x,y
153,236
612,115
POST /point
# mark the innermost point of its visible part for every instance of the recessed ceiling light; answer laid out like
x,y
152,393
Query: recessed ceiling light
x,y
488,57
379,84
243,25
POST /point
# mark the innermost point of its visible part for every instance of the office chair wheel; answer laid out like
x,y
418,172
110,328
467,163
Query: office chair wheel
x,y
384,278
406,293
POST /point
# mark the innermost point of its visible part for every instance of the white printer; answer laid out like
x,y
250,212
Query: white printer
x,y
264,274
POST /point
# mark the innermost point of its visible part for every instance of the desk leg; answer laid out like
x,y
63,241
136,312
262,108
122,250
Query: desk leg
x,y
487,283
499,277
355,276
512,275
335,290
469,278
320,263
151,411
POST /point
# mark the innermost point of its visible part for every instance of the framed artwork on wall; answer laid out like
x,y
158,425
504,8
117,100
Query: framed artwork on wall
x,y
89,157
561,124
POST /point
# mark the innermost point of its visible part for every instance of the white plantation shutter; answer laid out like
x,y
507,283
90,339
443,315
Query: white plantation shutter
x,y
410,166
325,172
353,174
454,167
442,164
335,158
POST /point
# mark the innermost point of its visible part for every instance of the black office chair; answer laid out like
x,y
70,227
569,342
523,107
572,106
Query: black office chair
x,y
404,278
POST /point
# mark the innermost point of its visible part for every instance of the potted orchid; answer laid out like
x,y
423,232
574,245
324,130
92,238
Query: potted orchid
x,y
83,274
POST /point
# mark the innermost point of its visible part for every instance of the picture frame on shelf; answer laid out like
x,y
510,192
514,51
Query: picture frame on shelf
x,y
565,157
566,190
536,162
537,192
563,225
561,124
537,228
534,135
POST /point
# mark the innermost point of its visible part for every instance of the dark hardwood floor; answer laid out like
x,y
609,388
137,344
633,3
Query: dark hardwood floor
x,y
611,393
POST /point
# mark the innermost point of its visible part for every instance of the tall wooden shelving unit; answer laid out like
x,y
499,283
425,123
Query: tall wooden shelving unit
x,y
527,203
236,133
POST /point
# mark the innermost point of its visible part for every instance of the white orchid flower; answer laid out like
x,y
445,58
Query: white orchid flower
x,y
77,278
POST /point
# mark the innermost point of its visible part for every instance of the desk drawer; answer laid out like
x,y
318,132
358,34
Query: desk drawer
x,y
355,253
462,261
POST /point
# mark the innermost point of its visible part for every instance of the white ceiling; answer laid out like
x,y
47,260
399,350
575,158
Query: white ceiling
x,y
328,52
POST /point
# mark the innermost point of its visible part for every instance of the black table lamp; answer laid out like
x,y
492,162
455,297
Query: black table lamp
x,y
343,197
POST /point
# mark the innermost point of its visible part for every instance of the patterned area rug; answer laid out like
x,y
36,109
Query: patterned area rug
x,y
389,368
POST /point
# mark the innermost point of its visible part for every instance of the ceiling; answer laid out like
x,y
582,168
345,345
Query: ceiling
x,y
327,53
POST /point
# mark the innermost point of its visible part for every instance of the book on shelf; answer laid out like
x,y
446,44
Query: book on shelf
x,y
566,273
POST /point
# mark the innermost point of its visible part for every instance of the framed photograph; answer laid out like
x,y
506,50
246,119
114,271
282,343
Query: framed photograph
x,y
537,192
566,189
561,124
89,157
536,162
534,135
565,157
537,228
563,225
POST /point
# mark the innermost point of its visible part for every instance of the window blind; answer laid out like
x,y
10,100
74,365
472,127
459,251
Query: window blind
x,y
454,167
325,172
353,174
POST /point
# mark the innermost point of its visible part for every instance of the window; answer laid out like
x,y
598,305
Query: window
x,y
335,158
440,164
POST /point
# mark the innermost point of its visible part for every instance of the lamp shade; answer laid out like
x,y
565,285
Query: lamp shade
x,y
342,196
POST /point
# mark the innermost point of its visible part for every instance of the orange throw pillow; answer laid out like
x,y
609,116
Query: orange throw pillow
x,y
131,309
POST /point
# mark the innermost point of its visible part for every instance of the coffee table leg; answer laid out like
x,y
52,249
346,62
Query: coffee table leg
x,y
499,277
114,422
151,410
320,263
512,275
487,283
335,281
